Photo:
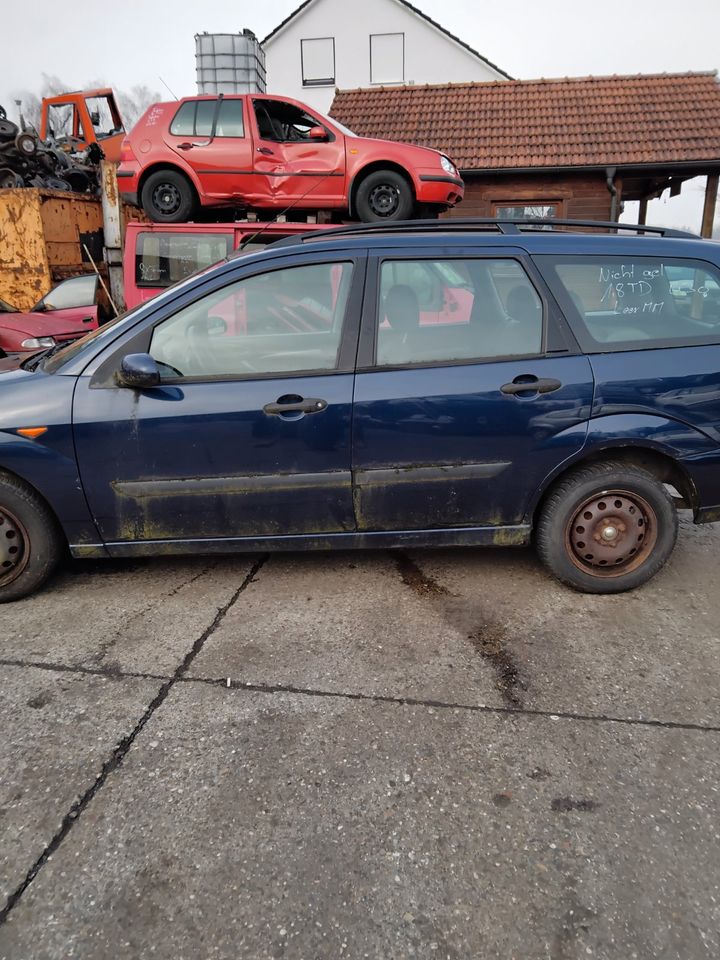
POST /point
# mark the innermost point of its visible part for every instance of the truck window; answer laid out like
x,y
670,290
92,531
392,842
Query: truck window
x,y
61,121
105,122
162,259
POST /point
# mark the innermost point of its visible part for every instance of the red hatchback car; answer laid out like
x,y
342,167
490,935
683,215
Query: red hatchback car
x,y
263,152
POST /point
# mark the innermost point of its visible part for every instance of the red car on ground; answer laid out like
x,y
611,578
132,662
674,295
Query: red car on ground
x,y
70,310
262,152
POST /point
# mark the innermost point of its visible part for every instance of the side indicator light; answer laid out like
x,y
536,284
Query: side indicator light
x,y
32,432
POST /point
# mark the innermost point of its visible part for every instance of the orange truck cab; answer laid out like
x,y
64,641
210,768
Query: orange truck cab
x,y
75,120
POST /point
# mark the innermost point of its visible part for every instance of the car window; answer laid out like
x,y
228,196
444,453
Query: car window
x,y
230,119
444,310
194,119
77,292
162,259
637,302
283,122
284,321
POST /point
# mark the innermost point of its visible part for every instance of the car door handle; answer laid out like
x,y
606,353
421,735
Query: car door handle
x,y
186,146
266,151
531,384
293,405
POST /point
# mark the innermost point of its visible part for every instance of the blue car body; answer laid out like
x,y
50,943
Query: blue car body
x,y
407,454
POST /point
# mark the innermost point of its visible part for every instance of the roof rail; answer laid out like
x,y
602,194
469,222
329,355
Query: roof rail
x,y
510,225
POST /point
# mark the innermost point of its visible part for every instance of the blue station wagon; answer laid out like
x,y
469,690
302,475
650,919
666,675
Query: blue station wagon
x,y
405,385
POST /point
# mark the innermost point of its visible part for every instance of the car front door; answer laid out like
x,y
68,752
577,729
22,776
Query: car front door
x,y
248,433
290,166
211,135
72,305
461,413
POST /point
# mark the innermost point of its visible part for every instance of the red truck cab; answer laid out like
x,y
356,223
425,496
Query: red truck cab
x,y
159,255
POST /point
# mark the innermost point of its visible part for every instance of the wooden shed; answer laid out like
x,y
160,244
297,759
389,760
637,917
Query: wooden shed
x,y
572,148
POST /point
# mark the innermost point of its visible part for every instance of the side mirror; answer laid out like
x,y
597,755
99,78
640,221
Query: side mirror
x,y
139,371
317,133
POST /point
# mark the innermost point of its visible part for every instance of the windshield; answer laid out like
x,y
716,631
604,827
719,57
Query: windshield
x,y
5,307
336,123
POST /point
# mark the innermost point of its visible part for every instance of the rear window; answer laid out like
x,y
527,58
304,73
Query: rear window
x,y
162,259
635,303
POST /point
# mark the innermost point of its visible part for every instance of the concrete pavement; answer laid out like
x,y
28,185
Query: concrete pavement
x,y
440,754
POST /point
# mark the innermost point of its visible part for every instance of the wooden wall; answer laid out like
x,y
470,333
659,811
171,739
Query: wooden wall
x,y
583,196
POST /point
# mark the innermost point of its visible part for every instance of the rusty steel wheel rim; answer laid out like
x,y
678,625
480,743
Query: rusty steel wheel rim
x,y
611,534
14,547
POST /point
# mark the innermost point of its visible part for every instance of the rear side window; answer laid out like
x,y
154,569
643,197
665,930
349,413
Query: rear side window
x,y
194,119
631,303
162,259
434,311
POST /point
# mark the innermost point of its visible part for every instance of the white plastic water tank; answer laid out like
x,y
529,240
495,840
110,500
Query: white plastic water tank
x,y
229,63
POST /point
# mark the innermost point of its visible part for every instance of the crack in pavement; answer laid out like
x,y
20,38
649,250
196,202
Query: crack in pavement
x,y
106,645
272,689
122,748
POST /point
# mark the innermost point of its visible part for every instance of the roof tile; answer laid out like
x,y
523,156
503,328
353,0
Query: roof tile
x,y
588,121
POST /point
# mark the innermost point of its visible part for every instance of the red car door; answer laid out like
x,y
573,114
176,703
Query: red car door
x,y
211,135
291,165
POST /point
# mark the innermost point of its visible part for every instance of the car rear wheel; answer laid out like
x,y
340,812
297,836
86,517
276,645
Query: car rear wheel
x,y
30,541
607,528
168,197
384,196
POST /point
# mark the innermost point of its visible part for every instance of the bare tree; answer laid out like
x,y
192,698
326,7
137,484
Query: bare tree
x,y
132,103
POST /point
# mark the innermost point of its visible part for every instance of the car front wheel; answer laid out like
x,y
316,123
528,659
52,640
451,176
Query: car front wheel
x,y
606,528
384,196
30,541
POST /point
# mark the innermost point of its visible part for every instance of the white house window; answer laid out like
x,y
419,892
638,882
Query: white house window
x,y
387,58
318,62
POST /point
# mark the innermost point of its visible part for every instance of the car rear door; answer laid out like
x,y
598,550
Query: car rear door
x,y
457,424
211,135
650,325
248,433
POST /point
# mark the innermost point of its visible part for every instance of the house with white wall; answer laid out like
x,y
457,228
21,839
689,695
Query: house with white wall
x,y
328,44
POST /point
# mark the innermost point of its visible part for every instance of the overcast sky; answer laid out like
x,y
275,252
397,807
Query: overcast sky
x,y
138,41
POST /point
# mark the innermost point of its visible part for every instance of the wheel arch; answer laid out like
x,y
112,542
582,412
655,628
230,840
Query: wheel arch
x,y
33,488
654,459
373,167
189,175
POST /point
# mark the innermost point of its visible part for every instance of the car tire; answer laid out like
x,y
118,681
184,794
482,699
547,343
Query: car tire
x,y
31,544
606,528
167,196
383,197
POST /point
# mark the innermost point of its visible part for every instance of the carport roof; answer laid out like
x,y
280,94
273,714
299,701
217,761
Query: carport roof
x,y
643,120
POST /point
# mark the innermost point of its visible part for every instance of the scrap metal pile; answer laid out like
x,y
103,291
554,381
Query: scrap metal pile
x,y
28,161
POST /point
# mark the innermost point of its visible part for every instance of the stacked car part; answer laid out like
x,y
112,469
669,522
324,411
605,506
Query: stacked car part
x,y
27,161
